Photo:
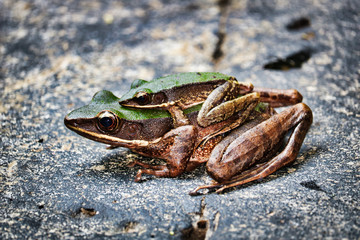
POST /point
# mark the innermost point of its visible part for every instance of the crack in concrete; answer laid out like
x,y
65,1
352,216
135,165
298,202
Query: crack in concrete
x,y
202,228
218,53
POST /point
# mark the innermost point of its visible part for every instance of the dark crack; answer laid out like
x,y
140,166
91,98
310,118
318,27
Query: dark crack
x,y
294,60
221,33
298,24
311,185
218,52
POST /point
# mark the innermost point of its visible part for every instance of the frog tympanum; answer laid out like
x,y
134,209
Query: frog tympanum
x,y
191,118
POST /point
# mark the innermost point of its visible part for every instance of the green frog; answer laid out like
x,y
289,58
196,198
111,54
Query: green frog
x,y
236,151
222,96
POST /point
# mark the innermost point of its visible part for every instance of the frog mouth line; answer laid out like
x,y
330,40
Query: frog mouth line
x,y
109,139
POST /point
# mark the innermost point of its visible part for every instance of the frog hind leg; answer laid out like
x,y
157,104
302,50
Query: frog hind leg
x,y
175,147
278,97
298,117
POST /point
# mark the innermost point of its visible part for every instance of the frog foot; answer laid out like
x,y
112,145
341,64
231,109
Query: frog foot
x,y
157,170
197,191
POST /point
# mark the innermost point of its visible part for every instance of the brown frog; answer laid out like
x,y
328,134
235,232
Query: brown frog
x,y
236,151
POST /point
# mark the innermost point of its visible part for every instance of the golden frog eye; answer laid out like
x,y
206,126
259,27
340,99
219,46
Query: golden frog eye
x,y
142,97
107,121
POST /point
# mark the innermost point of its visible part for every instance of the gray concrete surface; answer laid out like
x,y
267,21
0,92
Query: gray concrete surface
x,y
54,55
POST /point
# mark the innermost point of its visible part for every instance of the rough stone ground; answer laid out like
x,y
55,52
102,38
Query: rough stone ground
x,y
54,55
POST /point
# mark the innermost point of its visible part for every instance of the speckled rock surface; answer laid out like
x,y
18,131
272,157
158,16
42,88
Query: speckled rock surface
x,y
55,55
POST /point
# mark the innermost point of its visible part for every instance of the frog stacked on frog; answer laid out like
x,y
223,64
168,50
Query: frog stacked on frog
x,y
187,119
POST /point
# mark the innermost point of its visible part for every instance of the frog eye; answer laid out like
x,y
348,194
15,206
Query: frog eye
x,y
142,97
107,121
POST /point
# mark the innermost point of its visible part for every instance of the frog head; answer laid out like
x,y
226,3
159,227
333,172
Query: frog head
x,y
183,89
104,120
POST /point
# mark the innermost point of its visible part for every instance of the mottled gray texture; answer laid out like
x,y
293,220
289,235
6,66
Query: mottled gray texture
x,y
54,55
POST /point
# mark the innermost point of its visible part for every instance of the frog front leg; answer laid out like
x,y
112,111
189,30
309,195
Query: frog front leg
x,y
224,101
175,147
229,159
178,116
